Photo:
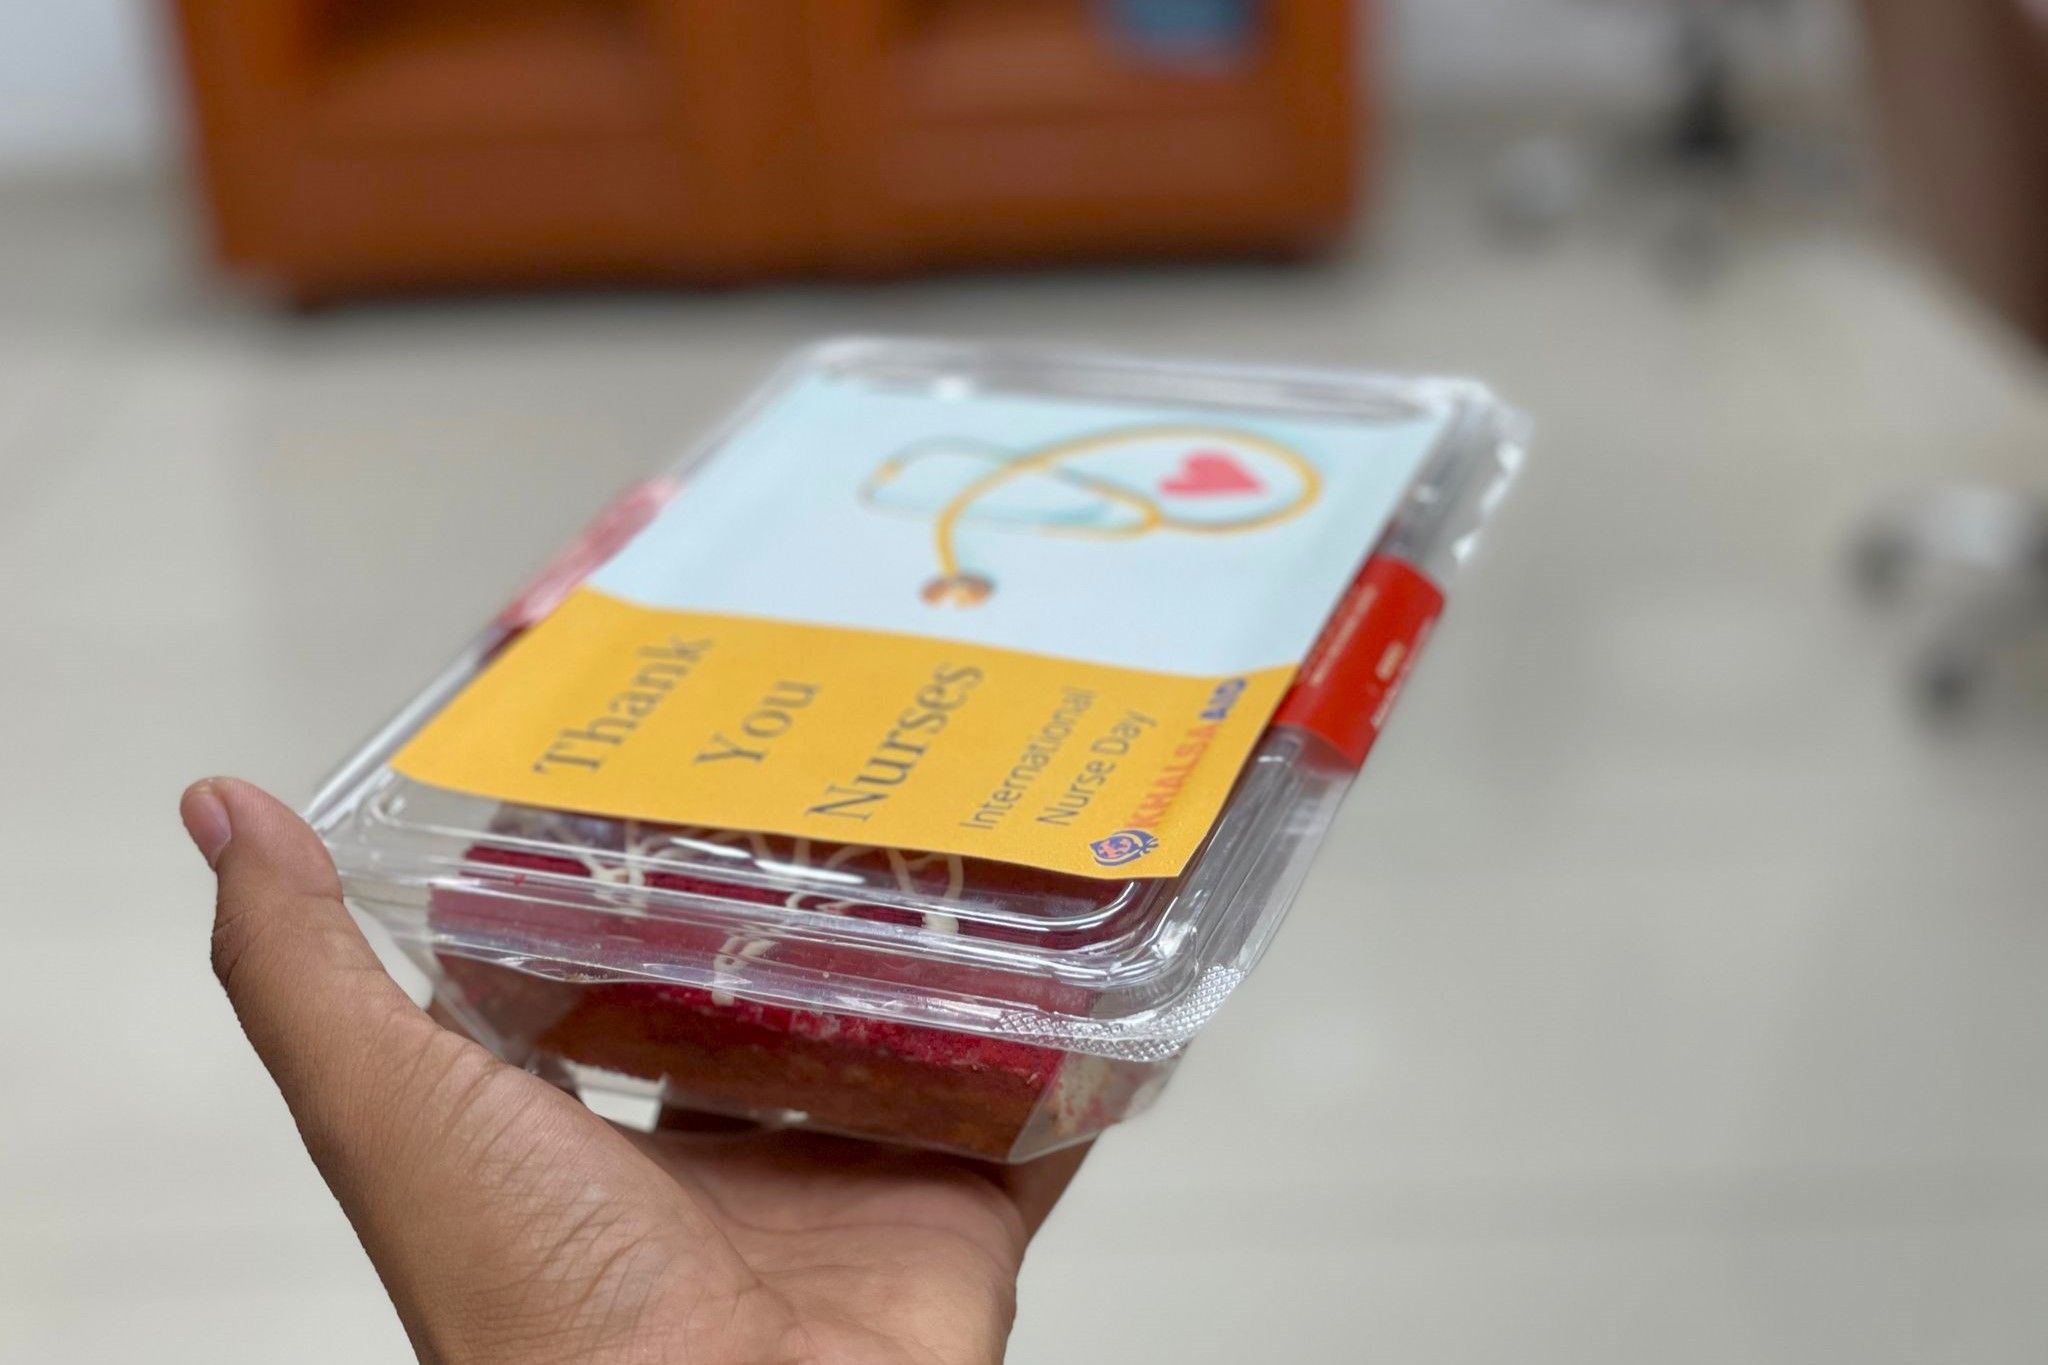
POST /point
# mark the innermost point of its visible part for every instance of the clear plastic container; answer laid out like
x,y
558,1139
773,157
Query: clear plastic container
x,y
978,1007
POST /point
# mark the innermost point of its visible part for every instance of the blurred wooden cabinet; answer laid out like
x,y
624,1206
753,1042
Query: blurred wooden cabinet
x,y
361,145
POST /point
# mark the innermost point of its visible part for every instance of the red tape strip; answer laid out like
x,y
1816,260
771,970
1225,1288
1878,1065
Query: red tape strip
x,y
1348,684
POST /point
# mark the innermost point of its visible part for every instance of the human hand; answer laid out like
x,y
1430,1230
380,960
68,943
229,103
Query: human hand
x,y
511,1225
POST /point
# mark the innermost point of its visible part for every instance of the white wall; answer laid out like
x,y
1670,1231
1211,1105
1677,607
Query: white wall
x,y
78,82
81,80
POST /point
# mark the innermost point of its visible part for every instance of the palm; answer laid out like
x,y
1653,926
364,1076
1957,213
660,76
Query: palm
x,y
735,1245
870,1255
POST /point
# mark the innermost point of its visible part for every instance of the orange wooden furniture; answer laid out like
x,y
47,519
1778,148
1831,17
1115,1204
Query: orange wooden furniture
x,y
362,145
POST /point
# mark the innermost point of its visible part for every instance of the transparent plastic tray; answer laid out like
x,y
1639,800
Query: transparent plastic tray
x,y
948,1002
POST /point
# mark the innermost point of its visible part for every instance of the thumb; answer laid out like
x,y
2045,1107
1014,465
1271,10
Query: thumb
x,y
452,1166
298,971
330,1025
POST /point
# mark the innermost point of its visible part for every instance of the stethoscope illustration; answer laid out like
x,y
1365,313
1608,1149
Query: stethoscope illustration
x,y
1204,468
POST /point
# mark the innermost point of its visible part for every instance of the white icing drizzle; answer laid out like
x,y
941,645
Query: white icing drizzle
x,y
641,844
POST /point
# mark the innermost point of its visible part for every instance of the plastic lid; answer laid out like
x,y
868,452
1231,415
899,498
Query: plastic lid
x,y
1125,969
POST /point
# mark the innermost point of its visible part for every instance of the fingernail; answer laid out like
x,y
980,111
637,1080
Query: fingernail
x,y
206,820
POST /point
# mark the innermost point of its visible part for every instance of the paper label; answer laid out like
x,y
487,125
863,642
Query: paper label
x,y
1040,631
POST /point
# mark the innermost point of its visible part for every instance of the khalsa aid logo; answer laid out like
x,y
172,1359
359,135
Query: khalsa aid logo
x,y
1111,485
1223,699
1124,846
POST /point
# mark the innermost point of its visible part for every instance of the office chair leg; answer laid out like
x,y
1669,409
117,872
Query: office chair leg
x,y
1970,563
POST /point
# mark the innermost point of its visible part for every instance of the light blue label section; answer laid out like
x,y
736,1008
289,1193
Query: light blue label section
x,y
1180,541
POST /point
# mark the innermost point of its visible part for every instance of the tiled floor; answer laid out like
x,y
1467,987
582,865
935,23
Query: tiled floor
x,y
1667,995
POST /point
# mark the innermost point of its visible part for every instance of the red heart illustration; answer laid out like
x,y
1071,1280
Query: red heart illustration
x,y
1209,473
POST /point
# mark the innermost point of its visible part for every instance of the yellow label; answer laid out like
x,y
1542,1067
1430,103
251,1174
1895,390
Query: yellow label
x,y
614,708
